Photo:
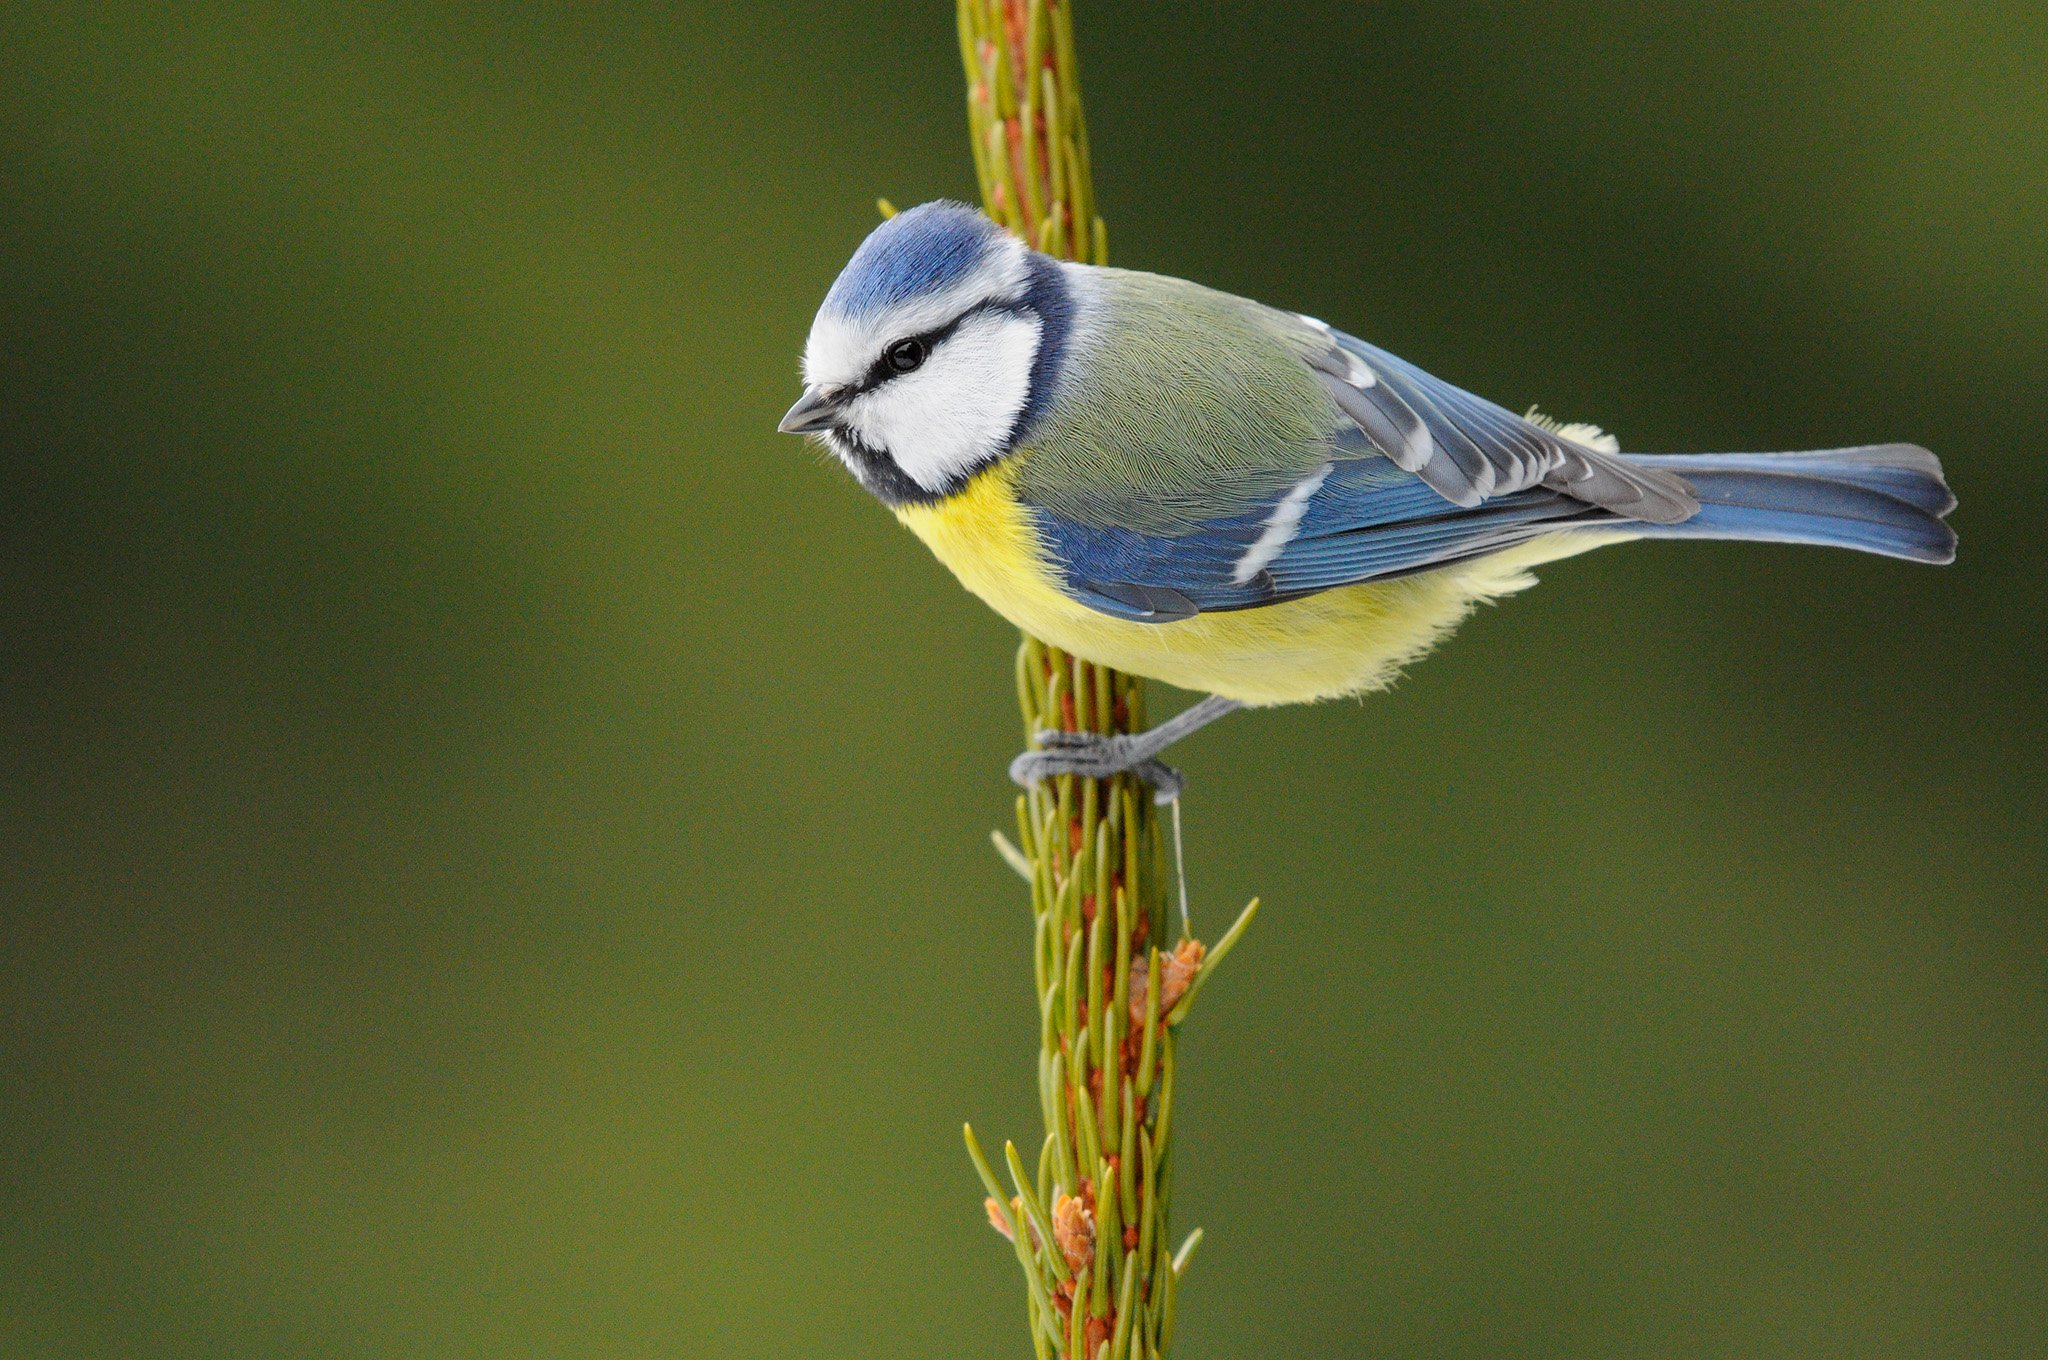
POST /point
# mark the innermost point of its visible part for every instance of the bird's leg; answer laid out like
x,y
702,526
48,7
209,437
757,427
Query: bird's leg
x,y
1098,757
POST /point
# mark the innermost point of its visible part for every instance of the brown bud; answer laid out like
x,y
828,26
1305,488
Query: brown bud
x,y
1176,974
1073,1227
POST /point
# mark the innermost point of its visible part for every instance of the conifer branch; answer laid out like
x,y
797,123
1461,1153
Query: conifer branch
x,y
1088,1220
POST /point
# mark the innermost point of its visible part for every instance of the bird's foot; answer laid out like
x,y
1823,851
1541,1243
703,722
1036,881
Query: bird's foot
x,y
1093,756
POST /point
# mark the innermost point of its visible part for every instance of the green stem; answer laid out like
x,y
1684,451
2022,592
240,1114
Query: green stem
x,y
1090,1230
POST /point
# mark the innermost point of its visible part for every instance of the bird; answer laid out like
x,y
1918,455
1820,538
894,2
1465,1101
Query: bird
x,y
1237,499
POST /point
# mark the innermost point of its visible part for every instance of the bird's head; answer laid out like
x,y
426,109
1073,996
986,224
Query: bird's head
x,y
933,352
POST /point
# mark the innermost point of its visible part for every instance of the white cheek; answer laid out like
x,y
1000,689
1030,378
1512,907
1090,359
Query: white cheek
x,y
954,413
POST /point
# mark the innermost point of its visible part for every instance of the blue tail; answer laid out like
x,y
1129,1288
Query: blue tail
x,y
1882,498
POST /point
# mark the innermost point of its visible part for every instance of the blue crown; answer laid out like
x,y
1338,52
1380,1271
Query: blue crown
x,y
919,251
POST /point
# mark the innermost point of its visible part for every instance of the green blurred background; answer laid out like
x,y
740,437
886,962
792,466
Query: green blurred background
x,y
495,839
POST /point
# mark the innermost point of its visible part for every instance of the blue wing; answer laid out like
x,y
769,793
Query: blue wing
x,y
1364,519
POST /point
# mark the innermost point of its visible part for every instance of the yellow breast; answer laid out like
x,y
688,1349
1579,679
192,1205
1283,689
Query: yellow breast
x,y
1344,641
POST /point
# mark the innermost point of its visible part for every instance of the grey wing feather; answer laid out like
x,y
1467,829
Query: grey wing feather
x,y
1469,450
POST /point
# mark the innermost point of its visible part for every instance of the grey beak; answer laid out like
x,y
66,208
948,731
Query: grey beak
x,y
817,409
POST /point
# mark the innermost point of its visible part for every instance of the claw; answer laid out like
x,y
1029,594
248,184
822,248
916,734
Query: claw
x,y
1093,757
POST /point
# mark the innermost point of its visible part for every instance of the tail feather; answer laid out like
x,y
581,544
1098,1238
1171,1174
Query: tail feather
x,y
1883,498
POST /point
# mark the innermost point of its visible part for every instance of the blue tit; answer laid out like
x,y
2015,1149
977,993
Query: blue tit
x,y
1240,500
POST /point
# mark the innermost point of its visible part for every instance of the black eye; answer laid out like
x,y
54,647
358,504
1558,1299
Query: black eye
x,y
904,355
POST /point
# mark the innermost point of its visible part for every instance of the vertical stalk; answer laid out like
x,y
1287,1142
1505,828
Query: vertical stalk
x,y
1088,1214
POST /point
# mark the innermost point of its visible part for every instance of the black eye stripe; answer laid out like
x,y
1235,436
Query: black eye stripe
x,y
881,371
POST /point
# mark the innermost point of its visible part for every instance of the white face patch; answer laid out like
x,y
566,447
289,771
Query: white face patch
x,y
952,414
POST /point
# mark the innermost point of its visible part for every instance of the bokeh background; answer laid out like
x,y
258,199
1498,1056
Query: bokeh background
x,y
493,839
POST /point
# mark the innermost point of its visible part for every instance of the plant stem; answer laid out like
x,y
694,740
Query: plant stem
x,y
1089,1218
